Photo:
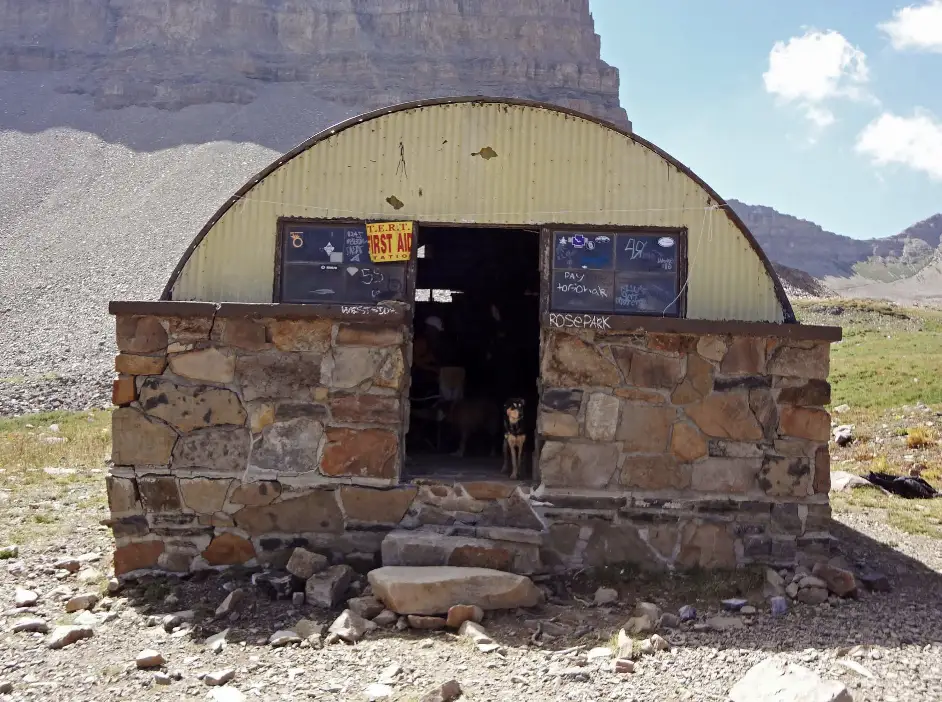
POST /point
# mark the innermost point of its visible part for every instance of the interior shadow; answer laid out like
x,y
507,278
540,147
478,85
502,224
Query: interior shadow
x,y
477,345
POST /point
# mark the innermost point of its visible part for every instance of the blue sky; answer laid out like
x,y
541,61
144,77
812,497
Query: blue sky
x,y
829,110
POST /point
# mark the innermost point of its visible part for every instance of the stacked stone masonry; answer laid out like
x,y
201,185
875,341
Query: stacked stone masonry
x,y
236,439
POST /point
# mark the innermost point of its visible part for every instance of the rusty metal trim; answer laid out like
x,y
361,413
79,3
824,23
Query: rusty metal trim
x,y
698,327
787,311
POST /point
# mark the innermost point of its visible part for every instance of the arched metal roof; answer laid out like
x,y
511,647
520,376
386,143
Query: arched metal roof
x,y
788,313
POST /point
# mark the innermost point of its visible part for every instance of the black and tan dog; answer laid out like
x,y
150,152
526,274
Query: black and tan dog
x,y
515,436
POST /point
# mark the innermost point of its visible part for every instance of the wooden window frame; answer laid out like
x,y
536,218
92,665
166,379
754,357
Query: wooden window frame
x,y
547,235
284,223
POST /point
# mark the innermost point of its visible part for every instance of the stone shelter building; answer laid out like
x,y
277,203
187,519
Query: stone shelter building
x,y
675,409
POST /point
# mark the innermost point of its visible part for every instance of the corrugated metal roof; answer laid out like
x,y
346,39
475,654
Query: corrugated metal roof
x,y
548,166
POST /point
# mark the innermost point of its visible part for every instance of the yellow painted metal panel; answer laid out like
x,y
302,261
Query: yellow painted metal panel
x,y
544,167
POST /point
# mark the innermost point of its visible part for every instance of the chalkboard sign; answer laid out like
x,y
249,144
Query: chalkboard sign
x,y
583,250
315,244
634,273
331,264
583,291
646,295
355,247
646,253
374,282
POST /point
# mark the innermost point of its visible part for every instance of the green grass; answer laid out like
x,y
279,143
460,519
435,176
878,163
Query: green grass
x,y
889,357
23,450
41,477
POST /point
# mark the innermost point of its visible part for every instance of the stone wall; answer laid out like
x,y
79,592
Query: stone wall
x,y
671,450
236,439
229,431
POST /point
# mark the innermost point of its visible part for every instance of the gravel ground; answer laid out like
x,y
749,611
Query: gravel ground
x,y
96,206
896,637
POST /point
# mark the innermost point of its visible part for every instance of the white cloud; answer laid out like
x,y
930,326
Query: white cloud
x,y
916,27
814,68
914,141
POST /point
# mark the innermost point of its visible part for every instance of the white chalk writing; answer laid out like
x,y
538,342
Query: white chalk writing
x,y
631,296
366,309
579,321
580,289
666,263
578,277
636,247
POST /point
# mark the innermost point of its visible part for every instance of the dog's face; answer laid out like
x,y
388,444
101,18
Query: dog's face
x,y
514,410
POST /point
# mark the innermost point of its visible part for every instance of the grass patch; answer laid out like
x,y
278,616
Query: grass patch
x,y
27,444
889,357
920,437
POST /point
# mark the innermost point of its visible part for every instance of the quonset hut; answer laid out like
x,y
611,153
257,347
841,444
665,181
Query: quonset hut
x,y
380,291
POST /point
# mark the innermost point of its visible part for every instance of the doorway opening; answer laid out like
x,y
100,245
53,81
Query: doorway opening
x,y
477,345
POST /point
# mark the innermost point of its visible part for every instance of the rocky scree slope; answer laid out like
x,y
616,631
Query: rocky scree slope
x,y
125,123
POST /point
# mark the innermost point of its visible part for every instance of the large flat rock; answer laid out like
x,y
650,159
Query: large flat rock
x,y
433,590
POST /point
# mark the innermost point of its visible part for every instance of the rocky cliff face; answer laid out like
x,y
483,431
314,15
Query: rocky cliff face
x,y
367,53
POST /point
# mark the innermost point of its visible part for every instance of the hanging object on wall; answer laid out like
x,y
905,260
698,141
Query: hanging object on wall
x,y
389,241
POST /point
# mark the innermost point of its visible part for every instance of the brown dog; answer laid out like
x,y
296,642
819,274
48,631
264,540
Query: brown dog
x,y
515,435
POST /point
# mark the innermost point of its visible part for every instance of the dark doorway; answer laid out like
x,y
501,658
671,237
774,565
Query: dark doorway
x,y
477,311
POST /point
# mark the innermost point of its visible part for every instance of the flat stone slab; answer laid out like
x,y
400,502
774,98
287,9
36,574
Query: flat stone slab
x,y
777,680
435,589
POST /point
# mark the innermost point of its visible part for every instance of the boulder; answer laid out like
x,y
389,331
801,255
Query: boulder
x,y
434,590
776,680
326,589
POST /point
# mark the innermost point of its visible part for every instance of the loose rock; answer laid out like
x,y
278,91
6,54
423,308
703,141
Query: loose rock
x,y
33,625
149,658
217,642
448,692
304,563
813,595
161,678
25,598
219,677
779,606
275,586
11,551
687,613
326,589
351,627
623,666
231,604
776,680
841,582
386,618
63,636
366,607
284,638
86,600
459,614
70,564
